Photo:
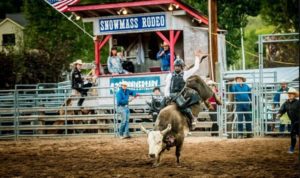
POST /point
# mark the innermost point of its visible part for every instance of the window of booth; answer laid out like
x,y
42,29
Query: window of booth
x,y
139,51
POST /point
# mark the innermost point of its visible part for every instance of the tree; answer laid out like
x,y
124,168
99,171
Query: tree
x,y
57,41
232,15
9,6
283,14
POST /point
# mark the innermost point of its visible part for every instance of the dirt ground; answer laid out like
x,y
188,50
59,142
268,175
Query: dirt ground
x,y
112,157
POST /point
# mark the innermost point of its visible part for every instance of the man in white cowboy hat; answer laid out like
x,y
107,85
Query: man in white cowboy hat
x,y
164,55
78,82
123,109
292,108
280,95
242,94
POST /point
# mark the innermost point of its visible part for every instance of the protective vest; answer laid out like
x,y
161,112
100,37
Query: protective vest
x,y
77,81
177,82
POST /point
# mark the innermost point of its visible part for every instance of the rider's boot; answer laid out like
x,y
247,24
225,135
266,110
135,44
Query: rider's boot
x,y
191,117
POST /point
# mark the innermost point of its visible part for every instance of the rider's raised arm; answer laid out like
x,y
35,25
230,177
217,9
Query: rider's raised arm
x,y
192,70
168,84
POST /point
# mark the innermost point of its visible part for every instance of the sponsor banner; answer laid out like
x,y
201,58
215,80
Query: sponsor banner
x,y
143,22
139,84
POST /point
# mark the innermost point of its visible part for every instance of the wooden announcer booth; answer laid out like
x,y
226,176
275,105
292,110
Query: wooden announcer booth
x,y
140,27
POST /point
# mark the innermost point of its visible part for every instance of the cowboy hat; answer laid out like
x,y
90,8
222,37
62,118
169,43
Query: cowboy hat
x,y
164,44
293,91
124,83
240,76
283,81
210,82
79,61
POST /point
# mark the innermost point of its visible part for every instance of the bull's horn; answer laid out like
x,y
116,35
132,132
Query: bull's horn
x,y
164,132
144,130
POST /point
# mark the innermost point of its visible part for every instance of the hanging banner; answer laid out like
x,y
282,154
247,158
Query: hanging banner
x,y
130,24
139,84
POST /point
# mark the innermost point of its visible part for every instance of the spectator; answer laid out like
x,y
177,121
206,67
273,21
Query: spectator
x,y
164,55
122,103
242,95
292,108
284,119
155,104
78,82
126,64
213,107
114,63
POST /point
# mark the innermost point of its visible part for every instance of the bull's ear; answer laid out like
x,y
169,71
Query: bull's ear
x,y
144,130
164,132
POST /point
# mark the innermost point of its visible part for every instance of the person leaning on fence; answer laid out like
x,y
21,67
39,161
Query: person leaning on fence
x,y
123,109
283,89
292,108
242,94
114,63
78,82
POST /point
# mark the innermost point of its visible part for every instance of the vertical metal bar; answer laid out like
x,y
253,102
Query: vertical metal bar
x,y
115,113
15,114
220,108
65,108
254,123
260,79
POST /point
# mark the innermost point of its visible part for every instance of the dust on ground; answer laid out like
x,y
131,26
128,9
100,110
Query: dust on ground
x,y
113,157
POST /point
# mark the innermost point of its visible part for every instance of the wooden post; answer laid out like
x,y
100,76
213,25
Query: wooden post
x,y
213,36
98,45
172,46
97,55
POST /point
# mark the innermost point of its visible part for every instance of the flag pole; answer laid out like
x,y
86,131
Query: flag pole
x,y
83,30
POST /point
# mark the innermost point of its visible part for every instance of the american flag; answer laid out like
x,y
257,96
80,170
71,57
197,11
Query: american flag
x,y
62,5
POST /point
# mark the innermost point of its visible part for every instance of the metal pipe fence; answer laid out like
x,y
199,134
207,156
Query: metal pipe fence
x,y
36,111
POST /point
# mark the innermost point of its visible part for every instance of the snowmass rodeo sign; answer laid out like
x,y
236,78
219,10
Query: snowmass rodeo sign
x,y
113,25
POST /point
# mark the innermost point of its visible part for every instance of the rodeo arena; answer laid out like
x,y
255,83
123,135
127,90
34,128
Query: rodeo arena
x,y
188,117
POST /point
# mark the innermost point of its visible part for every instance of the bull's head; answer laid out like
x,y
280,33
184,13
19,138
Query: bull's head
x,y
155,140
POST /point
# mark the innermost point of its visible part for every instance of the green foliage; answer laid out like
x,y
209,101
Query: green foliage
x,y
256,26
8,73
56,38
232,15
281,13
9,6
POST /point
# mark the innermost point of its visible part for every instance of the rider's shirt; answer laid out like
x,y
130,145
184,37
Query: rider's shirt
x,y
186,75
